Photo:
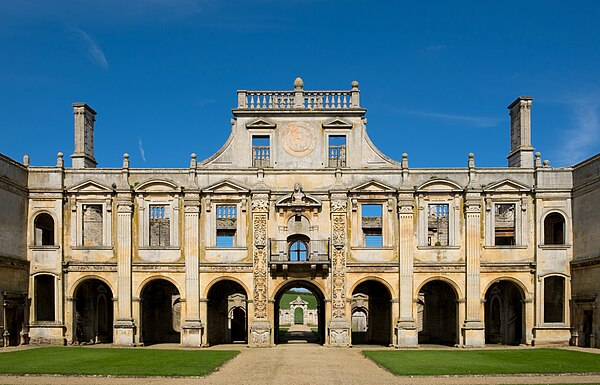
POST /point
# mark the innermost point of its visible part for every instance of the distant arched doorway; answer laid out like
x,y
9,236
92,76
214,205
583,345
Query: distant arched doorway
x,y
306,314
437,314
161,313
93,312
371,314
504,314
227,308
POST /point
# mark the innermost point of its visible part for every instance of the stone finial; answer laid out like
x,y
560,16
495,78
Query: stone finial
x,y
404,160
538,159
60,162
471,160
126,160
193,162
354,85
298,83
26,160
546,163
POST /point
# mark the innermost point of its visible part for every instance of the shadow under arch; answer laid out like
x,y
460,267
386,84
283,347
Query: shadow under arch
x,y
227,313
437,313
371,313
504,313
160,312
314,290
92,311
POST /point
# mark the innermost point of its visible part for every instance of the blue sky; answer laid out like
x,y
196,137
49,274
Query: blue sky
x,y
435,76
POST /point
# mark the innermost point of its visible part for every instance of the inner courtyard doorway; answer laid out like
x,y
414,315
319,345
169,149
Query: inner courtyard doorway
x,y
299,314
227,313
437,314
161,313
504,314
371,314
93,315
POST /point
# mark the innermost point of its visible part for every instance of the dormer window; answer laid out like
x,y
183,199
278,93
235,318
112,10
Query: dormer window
x,y
337,151
261,151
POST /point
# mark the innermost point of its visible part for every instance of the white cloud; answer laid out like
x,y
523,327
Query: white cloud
x,y
94,52
582,140
141,148
473,120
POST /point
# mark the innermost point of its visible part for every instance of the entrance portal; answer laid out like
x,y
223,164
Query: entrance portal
x,y
93,315
371,314
503,314
437,314
227,309
161,313
300,314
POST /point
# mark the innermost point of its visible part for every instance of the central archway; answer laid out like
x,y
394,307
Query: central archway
x,y
286,324
161,313
227,308
504,314
93,315
437,314
371,314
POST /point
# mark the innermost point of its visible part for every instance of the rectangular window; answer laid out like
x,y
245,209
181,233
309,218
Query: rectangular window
x,y
554,299
261,151
160,226
337,151
438,225
44,297
504,224
92,225
372,225
226,225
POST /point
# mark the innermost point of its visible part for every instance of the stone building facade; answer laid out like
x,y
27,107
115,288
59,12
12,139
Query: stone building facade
x,y
298,196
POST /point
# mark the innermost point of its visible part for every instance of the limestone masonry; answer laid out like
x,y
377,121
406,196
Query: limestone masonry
x,y
299,197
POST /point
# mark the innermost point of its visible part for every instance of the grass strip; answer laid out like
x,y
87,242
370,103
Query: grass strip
x,y
469,362
113,361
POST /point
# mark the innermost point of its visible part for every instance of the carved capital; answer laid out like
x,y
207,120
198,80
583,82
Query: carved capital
x,y
472,207
260,203
192,209
124,207
406,208
339,205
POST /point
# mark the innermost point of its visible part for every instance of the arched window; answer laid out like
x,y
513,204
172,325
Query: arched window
x,y
554,299
298,250
554,229
44,230
44,297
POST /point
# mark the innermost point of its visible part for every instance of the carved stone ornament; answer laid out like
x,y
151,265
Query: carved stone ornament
x,y
192,209
339,205
472,207
260,337
339,283
260,204
338,337
405,208
125,208
339,231
260,231
260,265
298,138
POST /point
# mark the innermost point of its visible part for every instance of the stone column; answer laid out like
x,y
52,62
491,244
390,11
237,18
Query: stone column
x,y
124,328
339,326
406,328
260,329
473,330
192,328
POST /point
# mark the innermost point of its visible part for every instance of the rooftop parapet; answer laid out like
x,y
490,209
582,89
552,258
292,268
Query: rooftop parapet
x,y
299,99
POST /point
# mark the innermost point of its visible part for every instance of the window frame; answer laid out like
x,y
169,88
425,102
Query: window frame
x,y
564,225
234,237
453,202
259,134
172,205
41,237
364,235
77,234
521,215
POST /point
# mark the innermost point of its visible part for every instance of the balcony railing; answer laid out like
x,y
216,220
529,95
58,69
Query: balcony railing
x,y
300,99
337,156
261,156
317,251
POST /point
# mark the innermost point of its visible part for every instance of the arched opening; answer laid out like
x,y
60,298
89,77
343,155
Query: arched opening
x,y
298,248
504,314
374,300
161,313
227,308
44,230
437,314
44,297
554,299
554,229
300,307
93,312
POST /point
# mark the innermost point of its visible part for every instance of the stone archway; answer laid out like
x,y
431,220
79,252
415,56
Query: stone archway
x,y
286,314
371,314
227,320
161,313
437,314
93,312
504,312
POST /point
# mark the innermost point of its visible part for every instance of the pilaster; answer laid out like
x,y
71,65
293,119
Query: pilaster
x,y
339,326
192,328
260,328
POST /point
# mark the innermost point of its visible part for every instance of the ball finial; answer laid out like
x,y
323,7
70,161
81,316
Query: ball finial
x,y
354,84
298,83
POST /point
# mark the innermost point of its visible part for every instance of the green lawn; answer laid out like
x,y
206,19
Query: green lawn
x,y
291,295
113,361
441,362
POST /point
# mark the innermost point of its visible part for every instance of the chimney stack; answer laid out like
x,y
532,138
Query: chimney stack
x,y
84,117
521,152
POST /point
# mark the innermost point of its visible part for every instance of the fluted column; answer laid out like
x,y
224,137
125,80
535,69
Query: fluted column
x,y
406,328
339,326
473,330
260,328
192,328
124,328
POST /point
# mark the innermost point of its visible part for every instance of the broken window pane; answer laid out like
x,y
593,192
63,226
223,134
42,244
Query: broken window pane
x,y
504,224
92,225
438,225
554,299
160,227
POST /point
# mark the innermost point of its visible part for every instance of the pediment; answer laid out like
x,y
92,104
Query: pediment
x,y
373,186
440,185
507,185
225,187
90,187
298,200
260,123
157,185
337,123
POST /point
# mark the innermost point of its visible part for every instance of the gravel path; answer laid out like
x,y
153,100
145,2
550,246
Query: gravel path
x,y
299,364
